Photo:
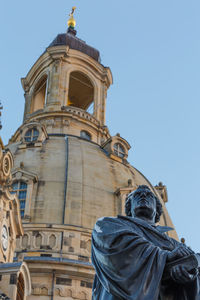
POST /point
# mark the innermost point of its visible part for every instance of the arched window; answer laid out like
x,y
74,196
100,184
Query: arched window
x,y
39,95
31,135
85,135
20,188
81,91
119,150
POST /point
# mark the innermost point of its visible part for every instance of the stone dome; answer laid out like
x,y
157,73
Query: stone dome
x,y
76,181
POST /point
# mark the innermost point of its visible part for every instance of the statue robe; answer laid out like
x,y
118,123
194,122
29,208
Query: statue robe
x,y
129,257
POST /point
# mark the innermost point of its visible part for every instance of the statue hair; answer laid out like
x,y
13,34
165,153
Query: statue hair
x,y
159,209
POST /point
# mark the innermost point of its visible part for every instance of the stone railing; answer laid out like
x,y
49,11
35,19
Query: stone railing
x,y
80,113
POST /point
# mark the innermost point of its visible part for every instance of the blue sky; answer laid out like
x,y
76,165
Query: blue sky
x,y
153,50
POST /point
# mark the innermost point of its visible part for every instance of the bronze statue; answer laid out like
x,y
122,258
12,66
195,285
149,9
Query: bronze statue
x,y
136,260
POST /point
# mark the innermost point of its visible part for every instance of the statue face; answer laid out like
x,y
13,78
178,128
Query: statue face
x,y
143,204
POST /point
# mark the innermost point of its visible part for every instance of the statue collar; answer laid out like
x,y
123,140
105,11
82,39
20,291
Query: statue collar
x,y
161,229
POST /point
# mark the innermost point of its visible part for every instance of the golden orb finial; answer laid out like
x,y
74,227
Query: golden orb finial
x,y
71,22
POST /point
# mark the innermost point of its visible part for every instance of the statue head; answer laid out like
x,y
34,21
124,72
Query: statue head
x,y
143,203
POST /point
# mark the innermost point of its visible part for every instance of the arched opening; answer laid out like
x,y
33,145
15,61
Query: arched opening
x,y
81,92
20,287
39,95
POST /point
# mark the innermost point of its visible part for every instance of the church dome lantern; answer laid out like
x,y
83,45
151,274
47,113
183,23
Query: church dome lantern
x,y
68,83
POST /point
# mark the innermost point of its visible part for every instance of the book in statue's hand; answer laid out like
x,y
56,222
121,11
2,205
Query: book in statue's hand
x,y
190,262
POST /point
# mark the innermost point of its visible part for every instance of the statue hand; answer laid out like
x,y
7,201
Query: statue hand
x,y
180,274
179,252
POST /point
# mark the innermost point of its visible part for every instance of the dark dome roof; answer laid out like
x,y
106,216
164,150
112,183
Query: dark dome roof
x,y
75,43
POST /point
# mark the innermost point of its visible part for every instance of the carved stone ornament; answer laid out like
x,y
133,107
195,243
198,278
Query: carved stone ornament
x,y
6,164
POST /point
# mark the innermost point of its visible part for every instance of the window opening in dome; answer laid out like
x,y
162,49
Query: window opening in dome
x,y
90,108
39,95
85,135
119,150
81,92
20,188
31,135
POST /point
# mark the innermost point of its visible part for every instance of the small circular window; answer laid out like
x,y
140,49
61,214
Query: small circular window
x,y
85,135
31,135
119,150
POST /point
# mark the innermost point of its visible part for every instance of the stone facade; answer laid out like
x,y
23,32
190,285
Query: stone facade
x,y
68,170
15,282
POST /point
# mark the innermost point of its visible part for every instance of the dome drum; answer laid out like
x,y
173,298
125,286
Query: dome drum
x,y
69,121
